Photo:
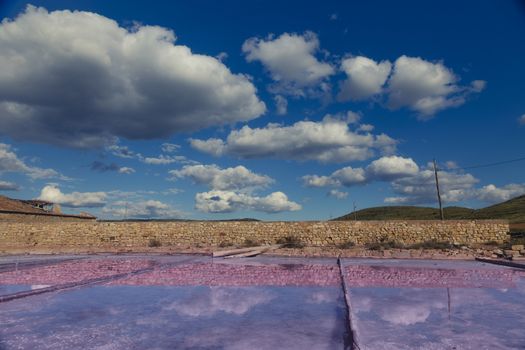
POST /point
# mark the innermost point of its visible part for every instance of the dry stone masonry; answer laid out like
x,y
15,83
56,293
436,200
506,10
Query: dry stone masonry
x,y
23,233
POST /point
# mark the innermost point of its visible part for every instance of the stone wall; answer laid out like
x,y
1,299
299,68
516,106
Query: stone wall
x,y
93,235
22,217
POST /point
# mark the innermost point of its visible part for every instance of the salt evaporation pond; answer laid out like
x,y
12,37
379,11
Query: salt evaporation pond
x,y
196,302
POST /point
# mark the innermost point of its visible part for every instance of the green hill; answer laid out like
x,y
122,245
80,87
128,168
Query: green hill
x,y
512,210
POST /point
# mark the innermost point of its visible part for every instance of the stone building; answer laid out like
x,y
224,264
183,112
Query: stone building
x,y
35,210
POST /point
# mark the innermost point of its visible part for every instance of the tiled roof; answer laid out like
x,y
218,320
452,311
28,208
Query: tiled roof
x,y
15,206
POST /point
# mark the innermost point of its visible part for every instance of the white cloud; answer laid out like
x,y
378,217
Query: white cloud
x,y
237,178
406,314
521,120
146,209
366,78
163,160
329,140
52,193
235,301
169,147
9,162
383,169
228,201
421,188
319,181
426,87
393,167
122,151
84,80
8,186
281,105
337,194
493,194
126,170
290,60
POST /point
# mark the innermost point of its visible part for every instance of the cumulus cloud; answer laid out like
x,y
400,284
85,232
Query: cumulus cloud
x,y
494,194
421,188
122,151
228,201
393,167
426,87
163,160
81,80
366,78
330,140
126,170
142,209
10,163
169,147
52,193
383,169
8,186
237,178
337,194
290,60
281,105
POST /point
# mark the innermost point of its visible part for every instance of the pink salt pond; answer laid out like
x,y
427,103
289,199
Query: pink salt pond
x,y
196,302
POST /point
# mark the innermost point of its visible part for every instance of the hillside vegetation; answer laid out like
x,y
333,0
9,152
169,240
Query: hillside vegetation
x,y
512,210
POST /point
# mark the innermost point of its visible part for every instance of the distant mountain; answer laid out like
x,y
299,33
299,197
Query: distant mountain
x,y
512,210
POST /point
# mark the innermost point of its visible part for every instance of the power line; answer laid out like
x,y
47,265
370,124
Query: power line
x,y
491,164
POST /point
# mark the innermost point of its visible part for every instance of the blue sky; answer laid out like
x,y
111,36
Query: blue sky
x,y
272,110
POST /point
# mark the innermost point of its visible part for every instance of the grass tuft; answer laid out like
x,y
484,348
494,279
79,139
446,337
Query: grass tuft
x,y
153,243
290,242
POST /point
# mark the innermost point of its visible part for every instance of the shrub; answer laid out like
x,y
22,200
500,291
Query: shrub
x,y
250,243
346,245
225,244
153,242
290,242
384,245
432,244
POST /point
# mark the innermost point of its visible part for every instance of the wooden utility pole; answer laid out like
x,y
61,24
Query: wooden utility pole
x,y
438,193
355,213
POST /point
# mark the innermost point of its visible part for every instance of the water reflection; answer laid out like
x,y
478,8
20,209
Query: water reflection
x,y
396,307
168,302
164,317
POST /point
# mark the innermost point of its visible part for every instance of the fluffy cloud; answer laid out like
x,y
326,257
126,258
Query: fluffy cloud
x,y
81,80
169,147
290,60
329,140
366,78
237,178
393,167
383,169
126,170
9,162
426,87
228,201
163,160
493,194
337,194
281,105
52,193
146,209
421,188
8,186
122,151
